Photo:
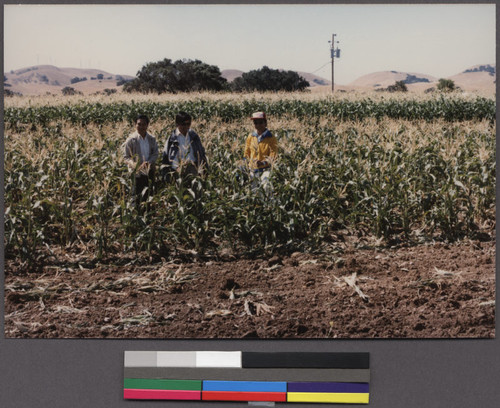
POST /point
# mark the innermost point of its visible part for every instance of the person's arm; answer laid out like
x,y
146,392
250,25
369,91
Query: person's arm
x,y
273,144
154,151
200,154
202,149
128,154
248,151
165,158
167,164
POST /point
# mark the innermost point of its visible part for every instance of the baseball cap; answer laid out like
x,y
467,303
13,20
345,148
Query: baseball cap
x,y
258,115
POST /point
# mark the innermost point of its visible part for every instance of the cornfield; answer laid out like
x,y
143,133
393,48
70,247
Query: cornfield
x,y
83,113
401,170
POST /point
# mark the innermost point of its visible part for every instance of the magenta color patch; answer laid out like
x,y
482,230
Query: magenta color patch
x,y
161,394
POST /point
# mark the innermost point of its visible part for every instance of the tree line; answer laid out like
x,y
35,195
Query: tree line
x,y
194,75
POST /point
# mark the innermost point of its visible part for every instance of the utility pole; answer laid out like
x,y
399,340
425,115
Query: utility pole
x,y
334,53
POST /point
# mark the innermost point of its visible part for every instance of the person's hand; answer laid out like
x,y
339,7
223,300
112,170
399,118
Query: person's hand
x,y
143,168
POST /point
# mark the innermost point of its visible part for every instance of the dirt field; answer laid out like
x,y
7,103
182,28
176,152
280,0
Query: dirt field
x,y
426,291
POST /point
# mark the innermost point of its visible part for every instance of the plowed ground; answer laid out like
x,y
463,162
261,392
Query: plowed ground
x,y
425,291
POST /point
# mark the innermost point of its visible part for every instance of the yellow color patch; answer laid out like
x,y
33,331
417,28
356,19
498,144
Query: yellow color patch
x,y
338,397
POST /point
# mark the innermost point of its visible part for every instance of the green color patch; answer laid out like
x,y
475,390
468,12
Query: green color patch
x,y
158,384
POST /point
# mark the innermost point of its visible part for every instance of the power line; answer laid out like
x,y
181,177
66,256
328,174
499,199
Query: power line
x,y
320,67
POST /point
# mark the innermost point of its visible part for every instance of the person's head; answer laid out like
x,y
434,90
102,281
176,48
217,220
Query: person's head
x,y
259,121
183,122
141,124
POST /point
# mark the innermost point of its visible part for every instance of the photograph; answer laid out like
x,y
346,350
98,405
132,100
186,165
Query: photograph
x,y
249,171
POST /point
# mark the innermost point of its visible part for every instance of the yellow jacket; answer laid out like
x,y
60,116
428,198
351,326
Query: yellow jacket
x,y
260,148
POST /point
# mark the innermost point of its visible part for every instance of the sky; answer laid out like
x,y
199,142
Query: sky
x,y
433,39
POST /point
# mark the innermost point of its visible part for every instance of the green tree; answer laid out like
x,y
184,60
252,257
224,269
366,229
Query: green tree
x,y
76,80
446,85
120,80
67,90
267,79
399,86
179,76
8,92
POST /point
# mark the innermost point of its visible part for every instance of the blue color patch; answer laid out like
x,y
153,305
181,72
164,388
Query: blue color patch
x,y
244,386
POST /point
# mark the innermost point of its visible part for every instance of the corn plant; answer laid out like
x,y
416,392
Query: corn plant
x,y
397,169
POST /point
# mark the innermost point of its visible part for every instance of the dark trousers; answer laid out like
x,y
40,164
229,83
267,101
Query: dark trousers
x,y
183,174
142,182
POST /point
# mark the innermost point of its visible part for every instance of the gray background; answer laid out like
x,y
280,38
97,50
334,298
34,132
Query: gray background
x,y
89,373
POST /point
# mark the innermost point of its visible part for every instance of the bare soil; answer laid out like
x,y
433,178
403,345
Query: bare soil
x,y
426,291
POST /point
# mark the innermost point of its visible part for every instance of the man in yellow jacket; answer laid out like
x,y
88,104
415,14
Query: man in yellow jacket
x,y
261,147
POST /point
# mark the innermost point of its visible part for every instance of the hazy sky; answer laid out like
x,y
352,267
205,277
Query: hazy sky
x,y
439,40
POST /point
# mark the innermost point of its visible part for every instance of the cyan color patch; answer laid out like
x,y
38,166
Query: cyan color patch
x,y
244,386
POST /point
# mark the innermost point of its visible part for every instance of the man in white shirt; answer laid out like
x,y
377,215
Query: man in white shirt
x,y
185,154
140,152
183,151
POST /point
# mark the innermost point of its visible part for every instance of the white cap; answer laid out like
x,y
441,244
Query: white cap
x,y
258,115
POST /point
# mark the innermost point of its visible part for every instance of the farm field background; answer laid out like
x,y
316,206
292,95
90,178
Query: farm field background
x,y
380,223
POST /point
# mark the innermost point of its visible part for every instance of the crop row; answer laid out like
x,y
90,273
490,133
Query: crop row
x,y
403,185
448,108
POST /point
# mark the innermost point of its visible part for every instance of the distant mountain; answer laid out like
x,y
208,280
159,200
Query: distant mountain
x,y
41,79
314,80
231,74
478,77
383,79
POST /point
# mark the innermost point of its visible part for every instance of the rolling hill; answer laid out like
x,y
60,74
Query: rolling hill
x,y
476,78
480,78
48,79
385,78
42,79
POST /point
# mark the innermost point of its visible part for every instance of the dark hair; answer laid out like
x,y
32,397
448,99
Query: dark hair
x,y
182,117
144,117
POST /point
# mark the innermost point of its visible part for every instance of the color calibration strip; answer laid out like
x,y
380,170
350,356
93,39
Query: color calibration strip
x,y
247,376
